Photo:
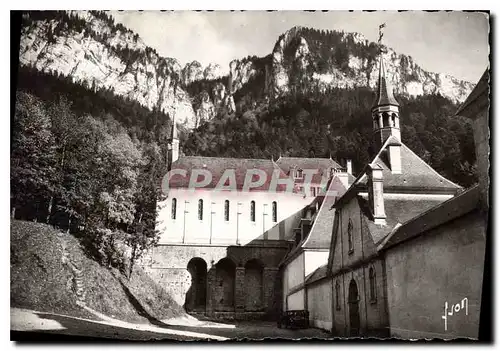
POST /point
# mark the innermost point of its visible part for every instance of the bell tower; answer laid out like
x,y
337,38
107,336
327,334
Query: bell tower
x,y
385,110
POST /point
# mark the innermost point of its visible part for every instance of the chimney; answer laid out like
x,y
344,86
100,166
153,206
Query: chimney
x,y
349,166
376,193
394,153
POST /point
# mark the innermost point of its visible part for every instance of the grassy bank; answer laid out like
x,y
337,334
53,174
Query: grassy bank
x,y
40,281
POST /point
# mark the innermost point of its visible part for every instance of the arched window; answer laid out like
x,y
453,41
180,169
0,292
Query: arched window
x,y
349,236
275,211
174,208
226,210
252,211
337,295
394,117
373,285
200,209
385,119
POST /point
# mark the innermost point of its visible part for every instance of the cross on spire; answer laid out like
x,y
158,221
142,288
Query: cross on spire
x,y
380,35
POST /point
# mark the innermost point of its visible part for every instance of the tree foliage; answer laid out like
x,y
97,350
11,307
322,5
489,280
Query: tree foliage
x,y
90,168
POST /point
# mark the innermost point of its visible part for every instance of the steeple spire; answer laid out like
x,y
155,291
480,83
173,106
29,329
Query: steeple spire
x,y
385,110
385,95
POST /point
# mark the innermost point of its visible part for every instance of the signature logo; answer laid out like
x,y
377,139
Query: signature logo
x,y
454,308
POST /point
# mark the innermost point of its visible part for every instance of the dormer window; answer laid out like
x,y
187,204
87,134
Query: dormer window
x,y
298,174
298,238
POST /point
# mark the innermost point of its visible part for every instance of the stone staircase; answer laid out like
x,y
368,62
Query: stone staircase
x,y
76,283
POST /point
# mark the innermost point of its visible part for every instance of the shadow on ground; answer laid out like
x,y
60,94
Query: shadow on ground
x,y
79,329
243,330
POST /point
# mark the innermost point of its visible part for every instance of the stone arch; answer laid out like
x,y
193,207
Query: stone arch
x,y
225,272
196,297
254,291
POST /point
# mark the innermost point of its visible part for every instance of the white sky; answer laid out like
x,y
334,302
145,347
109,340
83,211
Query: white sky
x,y
454,43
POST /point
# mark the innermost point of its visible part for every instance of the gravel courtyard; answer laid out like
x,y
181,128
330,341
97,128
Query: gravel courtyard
x,y
26,322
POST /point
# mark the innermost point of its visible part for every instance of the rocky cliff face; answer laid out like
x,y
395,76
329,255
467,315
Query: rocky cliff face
x,y
116,60
292,57
106,55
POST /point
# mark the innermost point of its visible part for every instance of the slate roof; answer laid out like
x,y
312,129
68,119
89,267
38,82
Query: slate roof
x,y
455,207
319,273
385,95
398,211
415,174
321,164
321,232
218,165
416,177
478,99
286,163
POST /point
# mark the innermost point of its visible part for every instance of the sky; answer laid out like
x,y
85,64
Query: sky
x,y
454,43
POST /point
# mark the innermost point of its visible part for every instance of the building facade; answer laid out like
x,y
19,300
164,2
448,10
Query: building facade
x,y
226,225
408,246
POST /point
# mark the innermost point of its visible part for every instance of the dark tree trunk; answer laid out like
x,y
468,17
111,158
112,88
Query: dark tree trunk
x,y
69,224
49,209
132,261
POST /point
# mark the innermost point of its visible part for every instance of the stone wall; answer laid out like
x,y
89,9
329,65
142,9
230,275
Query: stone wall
x,y
229,289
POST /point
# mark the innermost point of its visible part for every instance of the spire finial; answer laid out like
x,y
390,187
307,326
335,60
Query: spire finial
x,y
385,95
380,35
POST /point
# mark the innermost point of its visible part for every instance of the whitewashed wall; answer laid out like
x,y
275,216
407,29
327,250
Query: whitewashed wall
x,y
313,260
213,228
296,301
319,304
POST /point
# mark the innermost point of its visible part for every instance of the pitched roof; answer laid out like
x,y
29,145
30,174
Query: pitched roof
x,y
218,165
385,95
322,165
415,173
455,207
397,210
320,235
319,273
287,163
321,232
478,99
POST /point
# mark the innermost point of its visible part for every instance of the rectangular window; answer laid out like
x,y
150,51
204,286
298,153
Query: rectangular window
x,y
298,174
275,211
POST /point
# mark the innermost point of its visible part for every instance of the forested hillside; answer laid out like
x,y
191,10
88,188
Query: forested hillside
x,y
338,123
87,161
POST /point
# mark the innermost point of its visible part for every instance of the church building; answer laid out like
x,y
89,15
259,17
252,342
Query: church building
x,y
226,225
407,248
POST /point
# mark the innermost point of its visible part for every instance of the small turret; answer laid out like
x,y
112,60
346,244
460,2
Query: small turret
x,y
385,110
